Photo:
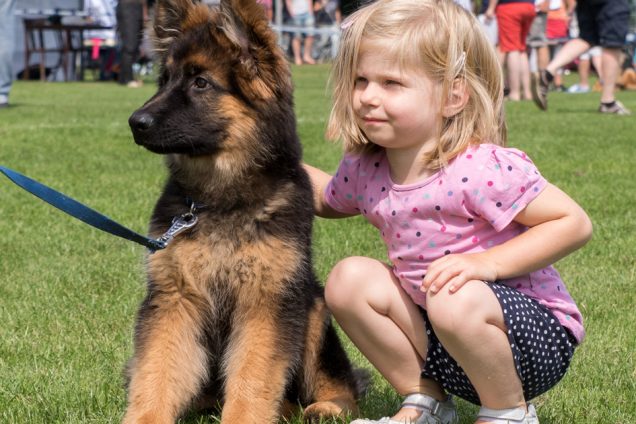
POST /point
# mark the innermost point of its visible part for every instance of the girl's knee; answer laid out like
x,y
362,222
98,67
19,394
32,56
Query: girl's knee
x,y
354,280
344,281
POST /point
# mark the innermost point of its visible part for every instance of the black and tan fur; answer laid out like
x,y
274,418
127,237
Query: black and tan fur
x,y
234,315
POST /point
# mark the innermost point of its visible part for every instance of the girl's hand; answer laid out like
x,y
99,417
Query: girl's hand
x,y
556,226
319,180
458,269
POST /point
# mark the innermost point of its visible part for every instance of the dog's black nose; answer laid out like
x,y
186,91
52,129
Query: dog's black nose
x,y
141,121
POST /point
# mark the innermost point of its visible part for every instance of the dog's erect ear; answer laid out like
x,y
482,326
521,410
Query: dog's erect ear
x,y
247,23
260,58
170,16
169,20
258,61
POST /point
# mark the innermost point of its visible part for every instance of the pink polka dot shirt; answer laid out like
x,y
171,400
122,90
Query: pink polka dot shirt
x,y
467,207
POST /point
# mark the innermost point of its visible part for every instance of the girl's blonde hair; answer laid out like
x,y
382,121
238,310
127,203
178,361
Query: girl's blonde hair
x,y
444,41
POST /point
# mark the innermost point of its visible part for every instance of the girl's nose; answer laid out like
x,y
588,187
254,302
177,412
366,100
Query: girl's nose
x,y
370,95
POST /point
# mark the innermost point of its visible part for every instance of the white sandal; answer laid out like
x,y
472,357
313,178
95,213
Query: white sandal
x,y
433,411
509,416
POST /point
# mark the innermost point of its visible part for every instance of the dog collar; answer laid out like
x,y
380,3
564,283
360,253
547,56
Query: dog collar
x,y
182,222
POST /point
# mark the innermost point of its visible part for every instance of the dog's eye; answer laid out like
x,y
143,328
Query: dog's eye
x,y
200,82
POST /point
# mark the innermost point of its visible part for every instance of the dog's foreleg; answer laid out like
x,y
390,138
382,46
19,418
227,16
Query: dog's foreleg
x,y
257,367
169,364
328,379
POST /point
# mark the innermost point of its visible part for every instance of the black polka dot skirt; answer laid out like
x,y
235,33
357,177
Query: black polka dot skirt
x,y
541,348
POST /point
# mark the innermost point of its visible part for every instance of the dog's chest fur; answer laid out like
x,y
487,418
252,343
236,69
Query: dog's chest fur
x,y
238,245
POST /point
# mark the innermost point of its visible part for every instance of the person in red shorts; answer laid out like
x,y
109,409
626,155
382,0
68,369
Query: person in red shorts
x,y
514,18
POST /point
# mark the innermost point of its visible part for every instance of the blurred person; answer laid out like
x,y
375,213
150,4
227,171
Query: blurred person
x,y
101,12
102,41
131,15
489,25
301,14
537,37
602,23
557,33
7,33
327,15
590,58
327,12
514,18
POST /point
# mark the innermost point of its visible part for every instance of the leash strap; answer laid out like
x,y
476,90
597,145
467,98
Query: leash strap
x,y
94,218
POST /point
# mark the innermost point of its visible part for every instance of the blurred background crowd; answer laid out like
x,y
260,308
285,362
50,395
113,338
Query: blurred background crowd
x,y
108,39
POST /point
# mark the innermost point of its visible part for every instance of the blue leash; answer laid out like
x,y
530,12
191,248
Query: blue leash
x,y
96,219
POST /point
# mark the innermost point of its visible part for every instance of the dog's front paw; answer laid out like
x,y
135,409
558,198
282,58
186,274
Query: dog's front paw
x,y
339,408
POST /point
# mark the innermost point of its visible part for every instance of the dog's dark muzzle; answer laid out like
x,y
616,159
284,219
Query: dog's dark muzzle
x,y
145,130
160,133
141,123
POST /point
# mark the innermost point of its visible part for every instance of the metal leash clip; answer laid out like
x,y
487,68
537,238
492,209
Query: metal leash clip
x,y
179,225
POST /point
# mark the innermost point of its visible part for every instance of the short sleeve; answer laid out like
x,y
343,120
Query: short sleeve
x,y
342,192
508,181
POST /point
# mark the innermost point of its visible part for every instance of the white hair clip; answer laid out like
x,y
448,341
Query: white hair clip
x,y
347,23
461,63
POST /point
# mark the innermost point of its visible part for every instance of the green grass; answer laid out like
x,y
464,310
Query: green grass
x,y
69,293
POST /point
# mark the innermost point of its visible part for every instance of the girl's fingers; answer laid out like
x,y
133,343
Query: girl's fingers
x,y
456,283
443,278
434,269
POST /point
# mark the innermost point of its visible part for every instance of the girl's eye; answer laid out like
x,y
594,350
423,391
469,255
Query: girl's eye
x,y
392,82
360,80
200,82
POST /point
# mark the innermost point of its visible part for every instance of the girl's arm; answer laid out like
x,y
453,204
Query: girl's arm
x,y
319,180
557,226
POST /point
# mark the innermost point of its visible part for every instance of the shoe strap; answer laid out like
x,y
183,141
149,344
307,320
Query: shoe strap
x,y
503,416
422,402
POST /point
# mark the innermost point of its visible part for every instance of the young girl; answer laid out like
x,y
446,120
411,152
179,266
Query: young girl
x,y
470,304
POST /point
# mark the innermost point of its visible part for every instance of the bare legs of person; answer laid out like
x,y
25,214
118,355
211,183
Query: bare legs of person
x,y
610,65
570,51
387,327
611,69
585,69
302,51
543,56
541,80
518,75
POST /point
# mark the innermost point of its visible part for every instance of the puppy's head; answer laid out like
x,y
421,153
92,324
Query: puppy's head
x,y
220,71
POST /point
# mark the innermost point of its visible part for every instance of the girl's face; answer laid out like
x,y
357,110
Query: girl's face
x,y
395,108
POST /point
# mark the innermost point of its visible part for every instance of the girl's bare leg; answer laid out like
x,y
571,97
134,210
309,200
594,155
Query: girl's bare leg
x,y
384,323
470,325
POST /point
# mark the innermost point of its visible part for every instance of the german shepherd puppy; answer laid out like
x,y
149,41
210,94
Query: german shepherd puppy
x,y
234,315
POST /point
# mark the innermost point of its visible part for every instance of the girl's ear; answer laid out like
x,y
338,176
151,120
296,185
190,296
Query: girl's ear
x,y
457,98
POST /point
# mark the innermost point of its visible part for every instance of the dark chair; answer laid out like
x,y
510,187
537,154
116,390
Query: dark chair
x,y
37,42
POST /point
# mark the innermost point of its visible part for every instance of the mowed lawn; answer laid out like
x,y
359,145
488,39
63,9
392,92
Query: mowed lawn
x,y
69,293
